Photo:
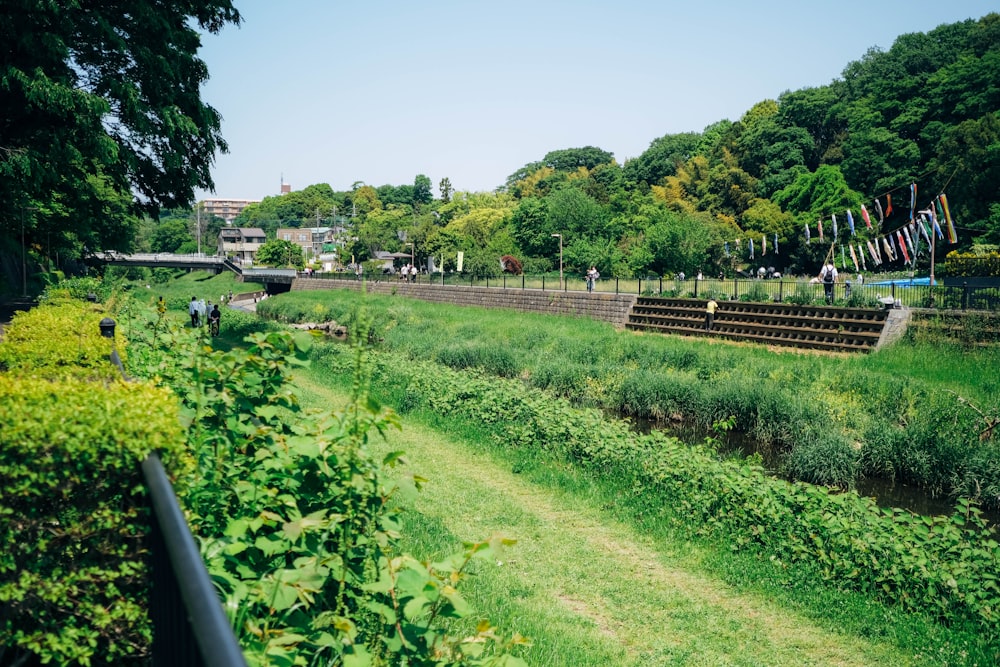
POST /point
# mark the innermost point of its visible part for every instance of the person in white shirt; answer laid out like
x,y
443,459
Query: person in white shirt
x,y
828,276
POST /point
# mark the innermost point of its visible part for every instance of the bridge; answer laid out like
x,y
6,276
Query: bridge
x,y
274,280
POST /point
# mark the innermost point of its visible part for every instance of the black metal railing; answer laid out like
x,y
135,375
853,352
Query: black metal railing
x,y
970,295
189,625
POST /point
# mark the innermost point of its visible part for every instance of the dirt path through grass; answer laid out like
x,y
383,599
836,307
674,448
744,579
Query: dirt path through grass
x,y
576,568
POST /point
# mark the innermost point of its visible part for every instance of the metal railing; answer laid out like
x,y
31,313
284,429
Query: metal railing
x,y
970,295
189,624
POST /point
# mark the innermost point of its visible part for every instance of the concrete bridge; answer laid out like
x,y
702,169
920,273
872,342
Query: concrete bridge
x,y
274,280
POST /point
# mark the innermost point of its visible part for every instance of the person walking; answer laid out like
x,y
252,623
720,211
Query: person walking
x,y
710,309
214,320
193,311
592,276
828,276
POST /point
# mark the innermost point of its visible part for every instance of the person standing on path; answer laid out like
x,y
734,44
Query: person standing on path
x,y
193,311
710,309
828,276
592,276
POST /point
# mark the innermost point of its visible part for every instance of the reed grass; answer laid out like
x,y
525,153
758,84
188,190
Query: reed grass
x,y
908,412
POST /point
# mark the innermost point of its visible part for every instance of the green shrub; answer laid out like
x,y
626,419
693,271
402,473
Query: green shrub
x,y
804,294
757,293
59,339
73,579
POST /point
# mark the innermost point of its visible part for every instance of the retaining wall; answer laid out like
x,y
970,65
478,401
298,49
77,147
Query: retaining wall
x,y
601,306
815,327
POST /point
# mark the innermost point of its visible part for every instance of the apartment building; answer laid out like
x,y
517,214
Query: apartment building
x,y
227,209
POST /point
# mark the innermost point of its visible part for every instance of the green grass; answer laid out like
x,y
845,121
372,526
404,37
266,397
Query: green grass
x,y
907,413
592,580
182,285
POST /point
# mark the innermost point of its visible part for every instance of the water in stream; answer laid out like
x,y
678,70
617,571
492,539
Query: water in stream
x,y
886,493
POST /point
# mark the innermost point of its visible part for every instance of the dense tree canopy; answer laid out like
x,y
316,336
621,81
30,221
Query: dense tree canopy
x,y
923,114
101,114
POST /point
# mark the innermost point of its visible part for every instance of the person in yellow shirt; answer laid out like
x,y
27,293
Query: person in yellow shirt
x,y
710,309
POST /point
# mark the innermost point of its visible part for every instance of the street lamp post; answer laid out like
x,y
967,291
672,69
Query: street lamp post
x,y
24,260
198,225
560,260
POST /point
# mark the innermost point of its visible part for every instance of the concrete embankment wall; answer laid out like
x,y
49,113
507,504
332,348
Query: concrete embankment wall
x,y
612,308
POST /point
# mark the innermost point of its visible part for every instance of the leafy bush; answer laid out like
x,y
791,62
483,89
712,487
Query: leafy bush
x,y
824,459
72,515
970,264
804,294
294,515
59,339
79,289
756,293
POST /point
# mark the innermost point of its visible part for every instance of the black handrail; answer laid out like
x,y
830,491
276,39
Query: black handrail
x,y
183,602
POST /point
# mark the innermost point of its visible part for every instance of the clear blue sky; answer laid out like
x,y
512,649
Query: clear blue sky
x,y
379,91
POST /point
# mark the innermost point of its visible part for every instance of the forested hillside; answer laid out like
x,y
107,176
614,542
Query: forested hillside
x,y
902,150
860,162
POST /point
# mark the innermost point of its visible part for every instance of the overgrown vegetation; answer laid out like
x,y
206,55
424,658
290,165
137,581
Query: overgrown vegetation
x,y
290,507
942,565
904,413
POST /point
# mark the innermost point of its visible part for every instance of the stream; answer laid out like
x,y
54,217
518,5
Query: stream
x,y
885,493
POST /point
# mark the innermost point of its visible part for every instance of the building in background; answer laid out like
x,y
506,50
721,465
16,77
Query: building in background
x,y
227,209
241,243
316,242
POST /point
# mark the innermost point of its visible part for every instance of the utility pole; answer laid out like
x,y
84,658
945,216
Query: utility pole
x,y
197,217
24,258
560,261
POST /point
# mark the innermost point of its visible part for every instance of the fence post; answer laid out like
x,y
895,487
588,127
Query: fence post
x,y
696,287
781,290
965,295
736,288
661,286
543,282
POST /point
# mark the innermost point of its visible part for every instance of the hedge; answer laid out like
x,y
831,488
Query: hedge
x,y
73,523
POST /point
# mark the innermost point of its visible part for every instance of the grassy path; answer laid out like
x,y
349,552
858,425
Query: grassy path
x,y
588,589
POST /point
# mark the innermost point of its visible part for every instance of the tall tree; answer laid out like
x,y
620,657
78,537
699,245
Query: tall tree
x,y
422,190
280,253
569,159
662,158
98,95
445,187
